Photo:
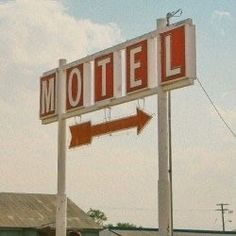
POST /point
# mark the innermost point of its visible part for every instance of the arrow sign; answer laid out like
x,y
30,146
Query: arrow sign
x,y
82,134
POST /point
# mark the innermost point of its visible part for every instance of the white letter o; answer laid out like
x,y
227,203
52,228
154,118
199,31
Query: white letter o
x,y
74,101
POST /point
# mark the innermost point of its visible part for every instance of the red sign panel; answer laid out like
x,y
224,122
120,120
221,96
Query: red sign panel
x,y
47,95
104,77
131,70
74,87
136,66
173,65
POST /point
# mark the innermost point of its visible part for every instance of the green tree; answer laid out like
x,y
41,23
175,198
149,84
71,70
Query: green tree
x,y
97,215
126,225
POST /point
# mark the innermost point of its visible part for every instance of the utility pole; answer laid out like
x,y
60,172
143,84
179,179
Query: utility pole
x,y
223,210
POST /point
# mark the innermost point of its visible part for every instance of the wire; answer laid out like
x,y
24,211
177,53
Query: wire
x,y
217,110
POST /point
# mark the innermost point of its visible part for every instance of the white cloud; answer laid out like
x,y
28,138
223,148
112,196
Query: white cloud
x,y
221,21
222,14
34,35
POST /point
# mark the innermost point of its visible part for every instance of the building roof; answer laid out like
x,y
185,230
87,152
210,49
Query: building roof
x,y
24,210
117,231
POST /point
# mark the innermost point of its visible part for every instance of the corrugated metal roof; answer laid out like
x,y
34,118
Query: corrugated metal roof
x,y
26,210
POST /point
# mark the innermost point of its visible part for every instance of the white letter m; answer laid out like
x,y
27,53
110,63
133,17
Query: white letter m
x,y
47,97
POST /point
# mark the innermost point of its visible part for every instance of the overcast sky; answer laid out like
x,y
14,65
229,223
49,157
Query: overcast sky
x,y
118,173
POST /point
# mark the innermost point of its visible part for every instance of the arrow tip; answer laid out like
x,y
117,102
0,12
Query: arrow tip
x,y
143,119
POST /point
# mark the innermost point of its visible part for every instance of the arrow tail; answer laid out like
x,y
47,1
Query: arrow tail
x,y
80,134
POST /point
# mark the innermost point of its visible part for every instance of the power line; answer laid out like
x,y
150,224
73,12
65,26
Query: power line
x,y
217,110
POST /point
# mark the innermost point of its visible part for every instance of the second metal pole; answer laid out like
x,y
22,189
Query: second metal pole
x,y
164,199
170,162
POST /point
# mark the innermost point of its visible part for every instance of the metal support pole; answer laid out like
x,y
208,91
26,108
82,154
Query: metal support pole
x,y
164,200
61,217
170,161
170,149
168,16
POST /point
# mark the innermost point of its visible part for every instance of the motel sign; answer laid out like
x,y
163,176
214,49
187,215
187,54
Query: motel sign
x,y
160,58
153,63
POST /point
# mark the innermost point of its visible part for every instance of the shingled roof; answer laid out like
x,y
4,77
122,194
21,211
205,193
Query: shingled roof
x,y
23,210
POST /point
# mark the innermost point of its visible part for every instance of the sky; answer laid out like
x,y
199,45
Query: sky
x,y
118,173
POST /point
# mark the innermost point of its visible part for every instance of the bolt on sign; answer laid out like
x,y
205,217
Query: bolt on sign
x,y
128,71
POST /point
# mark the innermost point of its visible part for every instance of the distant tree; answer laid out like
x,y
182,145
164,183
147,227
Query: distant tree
x,y
97,215
126,225
109,225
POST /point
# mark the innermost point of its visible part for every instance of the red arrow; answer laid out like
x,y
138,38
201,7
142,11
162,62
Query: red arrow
x,y
83,133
